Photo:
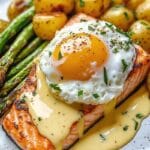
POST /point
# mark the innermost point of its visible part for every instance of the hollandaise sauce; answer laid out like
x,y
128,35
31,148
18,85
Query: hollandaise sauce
x,y
119,126
52,117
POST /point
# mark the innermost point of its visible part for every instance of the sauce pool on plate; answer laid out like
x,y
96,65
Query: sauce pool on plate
x,y
119,126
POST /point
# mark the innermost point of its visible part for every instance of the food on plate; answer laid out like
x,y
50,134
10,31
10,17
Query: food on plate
x,y
37,114
119,126
143,10
16,7
140,33
148,82
118,2
15,26
133,4
83,59
92,8
28,49
106,5
120,16
19,72
8,58
51,92
45,25
47,6
3,25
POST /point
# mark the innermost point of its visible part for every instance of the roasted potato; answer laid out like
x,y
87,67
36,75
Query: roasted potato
x,y
148,82
119,16
133,4
16,7
117,2
90,7
45,25
46,6
143,10
106,4
140,33
3,25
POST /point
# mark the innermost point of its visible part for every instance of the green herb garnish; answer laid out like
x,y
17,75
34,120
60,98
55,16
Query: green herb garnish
x,y
59,55
102,137
109,25
2,107
23,99
135,124
139,116
83,20
126,15
91,28
80,93
143,23
55,87
34,93
105,76
115,50
124,113
95,95
39,118
124,65
103,32
125,128
50,53
82,3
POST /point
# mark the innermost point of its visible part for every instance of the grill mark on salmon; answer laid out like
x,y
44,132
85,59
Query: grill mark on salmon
x,y
18,122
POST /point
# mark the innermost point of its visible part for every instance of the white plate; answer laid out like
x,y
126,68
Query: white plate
x,y
140,142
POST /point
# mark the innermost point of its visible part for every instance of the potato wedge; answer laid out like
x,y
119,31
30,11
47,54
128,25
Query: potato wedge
x,y
45,25
119,16
140,33
47,6
16,7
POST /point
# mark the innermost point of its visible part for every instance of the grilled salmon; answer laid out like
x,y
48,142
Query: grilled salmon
x,y
18,122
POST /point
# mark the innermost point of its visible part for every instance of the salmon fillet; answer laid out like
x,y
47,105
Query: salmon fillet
x,y
18,122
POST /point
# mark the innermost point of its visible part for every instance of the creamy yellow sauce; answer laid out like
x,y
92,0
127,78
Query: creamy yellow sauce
x,y
119,127
52,117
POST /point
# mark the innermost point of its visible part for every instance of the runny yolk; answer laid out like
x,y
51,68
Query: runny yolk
x,y
78,56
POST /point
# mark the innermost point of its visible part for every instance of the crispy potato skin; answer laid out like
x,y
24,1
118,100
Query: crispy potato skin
x,y
133,4
47,6
148,82
143,10
140,33
117,2
3,25
16,7
90,7
45,25
119,16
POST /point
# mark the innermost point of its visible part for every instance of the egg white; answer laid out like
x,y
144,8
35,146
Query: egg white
x,y
120,49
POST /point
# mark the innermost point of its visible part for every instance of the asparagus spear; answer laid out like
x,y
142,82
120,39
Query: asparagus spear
x,y
15,80
10,55
15,26
25,62
29,49
9,99
10,84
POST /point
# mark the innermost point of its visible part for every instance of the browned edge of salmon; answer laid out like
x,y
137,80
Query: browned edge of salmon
x,y
18,122
32,139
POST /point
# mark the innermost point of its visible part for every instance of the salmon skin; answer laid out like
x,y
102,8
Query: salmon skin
x,y
19,125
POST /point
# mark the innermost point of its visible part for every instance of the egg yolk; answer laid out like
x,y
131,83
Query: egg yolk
x,y
79,56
